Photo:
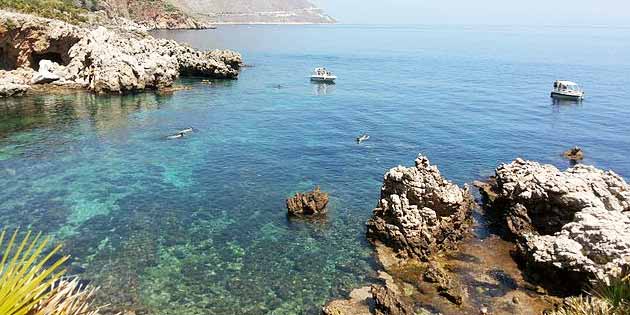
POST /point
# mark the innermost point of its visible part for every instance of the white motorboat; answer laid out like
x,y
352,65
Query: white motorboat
x,y
323,75
567,90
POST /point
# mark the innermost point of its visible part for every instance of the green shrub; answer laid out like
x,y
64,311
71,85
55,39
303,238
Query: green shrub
x,y
616,293
64,10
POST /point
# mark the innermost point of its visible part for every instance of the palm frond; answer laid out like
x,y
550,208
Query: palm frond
x,y
24,277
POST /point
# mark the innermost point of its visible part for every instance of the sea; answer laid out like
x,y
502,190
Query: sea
x,y
198,225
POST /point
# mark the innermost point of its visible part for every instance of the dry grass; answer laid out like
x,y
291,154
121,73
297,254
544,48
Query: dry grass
x,y
67,298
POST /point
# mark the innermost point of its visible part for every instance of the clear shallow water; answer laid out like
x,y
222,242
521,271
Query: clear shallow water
x,y
198,225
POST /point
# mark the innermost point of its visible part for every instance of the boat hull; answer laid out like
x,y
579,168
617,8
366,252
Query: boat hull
x,y
323,79
567,96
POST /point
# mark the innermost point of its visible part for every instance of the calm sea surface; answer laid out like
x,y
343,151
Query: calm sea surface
x,y
198,225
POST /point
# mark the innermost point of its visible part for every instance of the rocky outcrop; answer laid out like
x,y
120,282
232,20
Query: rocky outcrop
x,y
575,223
387,298
308,203
419,212
103,60
15,83
11,89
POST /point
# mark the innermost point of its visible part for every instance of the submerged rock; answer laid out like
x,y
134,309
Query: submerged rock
x,y
308,203
574,223
574,154
420,213
104,60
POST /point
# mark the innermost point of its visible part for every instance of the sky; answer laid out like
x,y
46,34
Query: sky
x,y
488,12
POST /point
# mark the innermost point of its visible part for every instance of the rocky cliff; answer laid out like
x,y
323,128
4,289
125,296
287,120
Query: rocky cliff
x,y
253,11
572,225
153,14
420,213
36,50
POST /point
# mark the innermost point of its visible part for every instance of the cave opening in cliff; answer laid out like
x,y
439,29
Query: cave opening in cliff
x,y
58,51
52,56
8,58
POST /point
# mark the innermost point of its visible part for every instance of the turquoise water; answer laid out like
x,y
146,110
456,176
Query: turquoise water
x,y
198,225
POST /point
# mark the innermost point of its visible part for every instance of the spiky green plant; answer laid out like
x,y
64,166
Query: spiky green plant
x,y
25,278
616,293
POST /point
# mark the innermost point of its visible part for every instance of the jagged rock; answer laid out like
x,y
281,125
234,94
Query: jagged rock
x,y
443,283
388,301
596,245
420,213
11,89
357,304
574,154
15,83
576,222
308,203
104,60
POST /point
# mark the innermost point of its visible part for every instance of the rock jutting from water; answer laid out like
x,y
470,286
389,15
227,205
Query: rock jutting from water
x,y
308,203
385,299
101,60
420,213
419,216
572,225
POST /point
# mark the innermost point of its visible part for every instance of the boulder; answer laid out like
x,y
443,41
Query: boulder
x,y
308,203
387,298
420,213
44,75
15,83
358,304
574,154
574,223
11,89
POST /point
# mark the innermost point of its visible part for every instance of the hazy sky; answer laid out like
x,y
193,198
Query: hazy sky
x,y
525,12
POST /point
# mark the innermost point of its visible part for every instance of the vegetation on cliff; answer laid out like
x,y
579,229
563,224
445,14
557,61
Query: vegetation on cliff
x,y
64,10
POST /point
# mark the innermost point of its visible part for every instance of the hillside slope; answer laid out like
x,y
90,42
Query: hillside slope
x,y
253,11
173,14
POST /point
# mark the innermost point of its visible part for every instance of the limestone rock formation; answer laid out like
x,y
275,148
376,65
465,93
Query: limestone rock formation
x,y
44,75
11,89
387,298
575,222
358,304
104,60
308,203
419,212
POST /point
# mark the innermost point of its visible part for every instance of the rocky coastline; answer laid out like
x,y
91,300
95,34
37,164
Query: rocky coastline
x,y
99,59
560,231
571,226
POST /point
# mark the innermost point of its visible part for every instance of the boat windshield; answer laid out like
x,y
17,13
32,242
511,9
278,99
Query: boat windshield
x,y
573,87
322,72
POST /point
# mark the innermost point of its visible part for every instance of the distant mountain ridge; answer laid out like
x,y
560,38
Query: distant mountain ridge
x,y
172,14
253,11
